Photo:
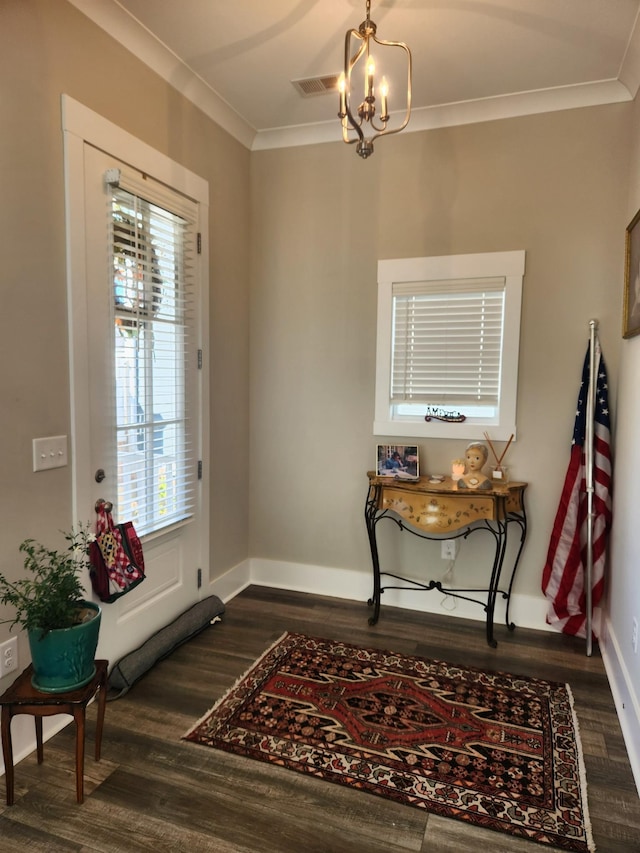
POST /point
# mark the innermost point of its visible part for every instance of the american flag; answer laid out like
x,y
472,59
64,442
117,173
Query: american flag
x,y
564,575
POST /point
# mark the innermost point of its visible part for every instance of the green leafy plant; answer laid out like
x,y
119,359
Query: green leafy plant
x,y
47,597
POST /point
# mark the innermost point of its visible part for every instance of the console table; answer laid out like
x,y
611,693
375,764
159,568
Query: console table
x,y
442,511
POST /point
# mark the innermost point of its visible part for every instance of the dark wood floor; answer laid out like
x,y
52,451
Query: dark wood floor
x,y
152,791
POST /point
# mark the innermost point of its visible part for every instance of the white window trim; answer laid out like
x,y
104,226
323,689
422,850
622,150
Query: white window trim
x,y
507,265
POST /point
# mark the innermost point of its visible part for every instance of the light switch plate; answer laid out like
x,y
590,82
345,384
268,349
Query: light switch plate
x,y
49,452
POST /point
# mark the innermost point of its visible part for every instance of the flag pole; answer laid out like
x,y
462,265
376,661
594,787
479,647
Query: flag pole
x,y
573,577
589,442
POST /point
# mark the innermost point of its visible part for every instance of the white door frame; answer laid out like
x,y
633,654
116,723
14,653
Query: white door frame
x,y
81,125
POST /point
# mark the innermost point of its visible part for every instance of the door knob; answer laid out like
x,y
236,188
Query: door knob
x,y
100,475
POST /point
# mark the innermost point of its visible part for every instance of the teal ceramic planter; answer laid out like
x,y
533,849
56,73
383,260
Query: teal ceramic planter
x,y
64,658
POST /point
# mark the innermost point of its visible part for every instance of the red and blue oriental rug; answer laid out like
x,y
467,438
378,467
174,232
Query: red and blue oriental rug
x,y
495,750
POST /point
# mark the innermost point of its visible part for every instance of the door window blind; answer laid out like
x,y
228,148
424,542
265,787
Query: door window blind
x,y
447,342
153,239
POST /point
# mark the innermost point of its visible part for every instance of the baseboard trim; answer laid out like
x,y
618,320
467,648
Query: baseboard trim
x,y
526,611
232,582
626,699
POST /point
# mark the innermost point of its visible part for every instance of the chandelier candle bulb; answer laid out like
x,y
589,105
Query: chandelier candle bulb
x,y
371,70
384,93
342,88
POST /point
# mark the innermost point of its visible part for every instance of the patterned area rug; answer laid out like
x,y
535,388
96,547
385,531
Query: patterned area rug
x,y
495,750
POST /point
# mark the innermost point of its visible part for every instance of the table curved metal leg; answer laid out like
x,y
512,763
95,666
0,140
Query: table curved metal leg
x,y
370,520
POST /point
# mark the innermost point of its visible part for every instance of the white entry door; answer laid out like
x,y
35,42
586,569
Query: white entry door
x,y
143,430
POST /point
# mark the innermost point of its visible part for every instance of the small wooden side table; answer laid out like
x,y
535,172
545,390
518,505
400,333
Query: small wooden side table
x,y
23,698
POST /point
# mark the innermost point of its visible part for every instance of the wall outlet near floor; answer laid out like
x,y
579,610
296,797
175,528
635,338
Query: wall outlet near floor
x,y
634,635
449,549
8,656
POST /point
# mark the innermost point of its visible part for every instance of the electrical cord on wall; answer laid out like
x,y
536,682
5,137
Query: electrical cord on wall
x,y
448,602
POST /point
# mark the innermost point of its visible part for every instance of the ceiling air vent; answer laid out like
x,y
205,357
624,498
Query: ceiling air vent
x,y
317,85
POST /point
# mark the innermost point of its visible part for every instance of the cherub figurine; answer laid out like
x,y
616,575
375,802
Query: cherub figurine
x,y
476,456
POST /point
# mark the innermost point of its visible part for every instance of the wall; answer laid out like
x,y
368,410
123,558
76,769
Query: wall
x,y
47,47
623,664
553,185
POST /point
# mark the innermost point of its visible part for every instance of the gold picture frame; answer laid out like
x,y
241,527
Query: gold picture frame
x,y
631,305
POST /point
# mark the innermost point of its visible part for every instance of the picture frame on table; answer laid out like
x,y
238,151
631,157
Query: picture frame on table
x,y
631,304
398,460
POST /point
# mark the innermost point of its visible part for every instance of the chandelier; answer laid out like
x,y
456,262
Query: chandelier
x,y
370,119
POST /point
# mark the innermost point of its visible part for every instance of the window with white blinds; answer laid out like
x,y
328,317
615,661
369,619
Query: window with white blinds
x,y
153,240
448,341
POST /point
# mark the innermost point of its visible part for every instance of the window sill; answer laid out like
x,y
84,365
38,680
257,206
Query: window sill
x,y
439,429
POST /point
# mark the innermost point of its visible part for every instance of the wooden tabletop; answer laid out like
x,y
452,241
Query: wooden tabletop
x,y
428,485
22,692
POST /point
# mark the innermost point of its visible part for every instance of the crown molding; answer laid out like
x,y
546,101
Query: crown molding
x,y
629,73
463,112
129,32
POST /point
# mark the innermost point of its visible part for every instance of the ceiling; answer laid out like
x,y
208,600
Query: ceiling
x,y
472,59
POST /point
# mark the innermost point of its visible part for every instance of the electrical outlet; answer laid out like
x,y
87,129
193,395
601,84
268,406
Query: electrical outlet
x,y
8,656
449,549
634,635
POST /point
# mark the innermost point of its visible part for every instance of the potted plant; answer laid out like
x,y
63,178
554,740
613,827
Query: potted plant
x,y
49,604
